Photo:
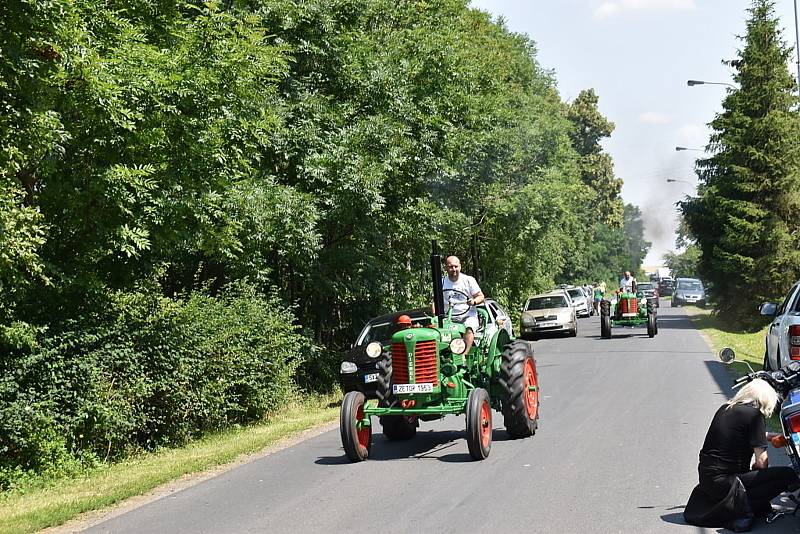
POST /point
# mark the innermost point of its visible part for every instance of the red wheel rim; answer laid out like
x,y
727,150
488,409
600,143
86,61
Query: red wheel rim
x,y
486,424
364,432
531,390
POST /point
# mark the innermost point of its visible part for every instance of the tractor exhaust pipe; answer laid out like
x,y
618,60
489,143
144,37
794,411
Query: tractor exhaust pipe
x,y
436,274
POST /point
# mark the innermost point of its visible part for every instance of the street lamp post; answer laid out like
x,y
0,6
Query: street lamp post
x,y
692,83
797,46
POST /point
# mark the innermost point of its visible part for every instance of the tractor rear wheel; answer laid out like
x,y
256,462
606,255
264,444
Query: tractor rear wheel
x,y
605,325
398,427
651,324
520,384
356,436
479,424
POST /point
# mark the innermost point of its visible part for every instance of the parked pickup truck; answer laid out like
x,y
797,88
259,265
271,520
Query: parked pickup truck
x,y
782,344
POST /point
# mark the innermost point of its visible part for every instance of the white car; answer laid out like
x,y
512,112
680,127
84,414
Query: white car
x,y
583,308
783,336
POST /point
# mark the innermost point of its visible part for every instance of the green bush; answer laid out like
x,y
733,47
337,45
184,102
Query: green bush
x,y
141,373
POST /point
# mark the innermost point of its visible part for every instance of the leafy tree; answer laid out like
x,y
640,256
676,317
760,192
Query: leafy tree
x,y
684,264
597,169
744,218
633,228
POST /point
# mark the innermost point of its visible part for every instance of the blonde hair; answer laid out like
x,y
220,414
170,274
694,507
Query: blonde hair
x,y
758,393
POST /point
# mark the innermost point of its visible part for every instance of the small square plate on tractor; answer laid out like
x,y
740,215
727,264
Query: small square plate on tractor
x,y
372,377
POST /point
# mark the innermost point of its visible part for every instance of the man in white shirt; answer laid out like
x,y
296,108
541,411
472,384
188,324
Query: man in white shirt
x,y
627,283
466,295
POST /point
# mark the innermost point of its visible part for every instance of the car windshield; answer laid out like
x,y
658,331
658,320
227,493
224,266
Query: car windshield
x,y
543,303
576,293
645,287
384,330
375,332
692,285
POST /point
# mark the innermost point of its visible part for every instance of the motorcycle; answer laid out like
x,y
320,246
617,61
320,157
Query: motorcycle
x,y
786,382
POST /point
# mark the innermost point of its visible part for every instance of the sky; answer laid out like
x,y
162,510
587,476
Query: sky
x,y
638,55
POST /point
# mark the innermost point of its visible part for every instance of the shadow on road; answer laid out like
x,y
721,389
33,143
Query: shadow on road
x,y
426,445
722,376
676,519
675,322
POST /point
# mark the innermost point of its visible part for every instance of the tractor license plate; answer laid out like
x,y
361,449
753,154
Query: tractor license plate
x,y
412,388
372,377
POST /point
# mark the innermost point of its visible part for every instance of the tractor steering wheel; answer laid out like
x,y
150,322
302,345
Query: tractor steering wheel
x,y
453,303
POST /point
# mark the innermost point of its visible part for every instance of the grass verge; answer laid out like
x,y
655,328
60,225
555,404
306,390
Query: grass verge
x,y
749,346
52,503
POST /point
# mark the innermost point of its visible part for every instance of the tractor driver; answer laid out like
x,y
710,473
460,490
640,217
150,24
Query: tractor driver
x,y
627,283
465,285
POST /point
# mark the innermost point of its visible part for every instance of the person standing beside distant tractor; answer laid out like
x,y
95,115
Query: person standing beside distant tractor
x,y
465,291
598,296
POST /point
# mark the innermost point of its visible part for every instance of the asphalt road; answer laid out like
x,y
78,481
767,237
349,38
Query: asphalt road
x,y
621,423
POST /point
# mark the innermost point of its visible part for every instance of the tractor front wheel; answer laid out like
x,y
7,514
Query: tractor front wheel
x,y
479,424
651,325
356,436
520,384
398,427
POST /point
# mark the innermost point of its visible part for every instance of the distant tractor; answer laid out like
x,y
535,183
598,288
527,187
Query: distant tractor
x,y
424,374
628,309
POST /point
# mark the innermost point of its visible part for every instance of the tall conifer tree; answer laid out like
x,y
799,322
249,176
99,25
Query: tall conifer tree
x,y
746,216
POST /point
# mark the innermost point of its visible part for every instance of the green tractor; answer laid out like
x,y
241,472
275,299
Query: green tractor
x,y
425,374
628,309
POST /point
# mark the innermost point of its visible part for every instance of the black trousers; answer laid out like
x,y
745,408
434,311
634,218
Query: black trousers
x,y
720,499
763,485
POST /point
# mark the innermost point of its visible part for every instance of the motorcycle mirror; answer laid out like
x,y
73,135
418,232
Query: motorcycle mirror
x,y
726,355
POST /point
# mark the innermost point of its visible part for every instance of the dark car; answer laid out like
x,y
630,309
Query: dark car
x,y
665,286
359,370
649,291
688,291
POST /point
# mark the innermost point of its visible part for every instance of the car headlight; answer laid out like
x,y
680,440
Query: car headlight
x,y
374,349
348,367
458,346
528,321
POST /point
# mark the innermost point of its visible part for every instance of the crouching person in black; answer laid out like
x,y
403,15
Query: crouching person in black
x,y
731,492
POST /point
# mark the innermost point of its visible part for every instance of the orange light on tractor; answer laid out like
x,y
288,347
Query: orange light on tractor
x,y
451,385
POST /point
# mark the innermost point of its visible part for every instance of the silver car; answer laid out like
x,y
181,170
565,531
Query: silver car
x,y
581,303
783,336
549,313
688,291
